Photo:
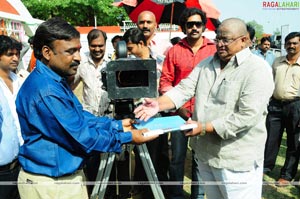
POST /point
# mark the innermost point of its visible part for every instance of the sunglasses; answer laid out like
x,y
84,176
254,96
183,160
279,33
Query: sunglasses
x,y
191,24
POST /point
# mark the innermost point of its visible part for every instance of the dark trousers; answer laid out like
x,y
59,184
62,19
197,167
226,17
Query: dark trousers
x,y
283,115
91,170
9,191
179,148
158,151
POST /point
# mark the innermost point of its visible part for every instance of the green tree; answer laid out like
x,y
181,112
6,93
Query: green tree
x,y
277,32
259,29
78,12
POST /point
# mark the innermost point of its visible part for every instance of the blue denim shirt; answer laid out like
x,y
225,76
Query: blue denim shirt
x,y
9,141
269,56
58,134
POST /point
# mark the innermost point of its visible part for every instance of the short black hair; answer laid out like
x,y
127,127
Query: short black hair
x,y
263,39
291,36
251,31
30,40
190,12
94,34
9,43
115,38
51,30
175,40
134,35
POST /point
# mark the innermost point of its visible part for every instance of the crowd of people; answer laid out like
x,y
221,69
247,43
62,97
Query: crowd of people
x,y
241,99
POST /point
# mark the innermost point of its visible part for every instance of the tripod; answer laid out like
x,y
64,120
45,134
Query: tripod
x,y
106,164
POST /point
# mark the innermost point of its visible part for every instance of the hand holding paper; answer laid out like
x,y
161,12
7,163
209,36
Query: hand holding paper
x,y
137,135
127,124
195,131
161,125
139,138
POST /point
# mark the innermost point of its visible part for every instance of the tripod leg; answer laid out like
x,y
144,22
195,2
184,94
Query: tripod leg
x,y
150,171
107,172
101,169
107,160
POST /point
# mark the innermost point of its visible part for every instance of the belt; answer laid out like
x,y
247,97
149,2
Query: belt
x,y
286,101
10,166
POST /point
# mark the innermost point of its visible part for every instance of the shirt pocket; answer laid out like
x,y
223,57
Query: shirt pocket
x,y
228,92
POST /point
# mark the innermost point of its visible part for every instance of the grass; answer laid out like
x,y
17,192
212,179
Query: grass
x,y
270,191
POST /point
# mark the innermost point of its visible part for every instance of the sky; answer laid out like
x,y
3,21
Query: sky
x,y
270,18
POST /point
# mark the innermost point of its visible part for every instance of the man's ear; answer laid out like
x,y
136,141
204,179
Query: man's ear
x,y
142,43
245,40
46,51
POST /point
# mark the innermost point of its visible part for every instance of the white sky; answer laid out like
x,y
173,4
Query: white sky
x,y
249,10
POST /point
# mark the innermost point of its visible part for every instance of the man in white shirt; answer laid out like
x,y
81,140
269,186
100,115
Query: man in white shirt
x,y
230,113
10,133
159,48
95,99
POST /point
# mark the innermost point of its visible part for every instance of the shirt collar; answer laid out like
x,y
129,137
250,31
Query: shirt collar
x,y
283,59
241,56
262,53
90,60
13,76
153,40
42,68
237,59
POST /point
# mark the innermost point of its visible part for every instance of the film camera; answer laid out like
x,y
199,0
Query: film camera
x,y
127,79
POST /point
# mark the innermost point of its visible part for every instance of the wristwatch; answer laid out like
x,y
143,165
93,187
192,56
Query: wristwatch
x,y
203,130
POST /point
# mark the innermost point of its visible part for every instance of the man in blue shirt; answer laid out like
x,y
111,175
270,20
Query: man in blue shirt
x,y
58,134
264,52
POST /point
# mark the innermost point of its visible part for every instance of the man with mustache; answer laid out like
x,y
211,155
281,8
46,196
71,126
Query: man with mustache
x,y
10,132
284,111
94,98
159,48
181,59
59,135
264,52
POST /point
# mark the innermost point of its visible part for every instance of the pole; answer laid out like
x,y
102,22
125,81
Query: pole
x,y
171,21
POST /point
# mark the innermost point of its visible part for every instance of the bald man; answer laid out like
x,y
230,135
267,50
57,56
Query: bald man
x,y
159,48
232,90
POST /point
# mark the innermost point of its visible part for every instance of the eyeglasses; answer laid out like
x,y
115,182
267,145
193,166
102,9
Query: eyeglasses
x,y
226,41
191,24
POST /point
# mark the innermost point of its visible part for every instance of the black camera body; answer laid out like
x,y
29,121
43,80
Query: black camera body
x,y
126,79
130,78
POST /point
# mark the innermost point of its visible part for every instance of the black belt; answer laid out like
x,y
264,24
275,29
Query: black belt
x,y
10,166
286,101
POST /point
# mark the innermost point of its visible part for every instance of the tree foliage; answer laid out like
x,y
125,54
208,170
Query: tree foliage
x,y
259,29
78,12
